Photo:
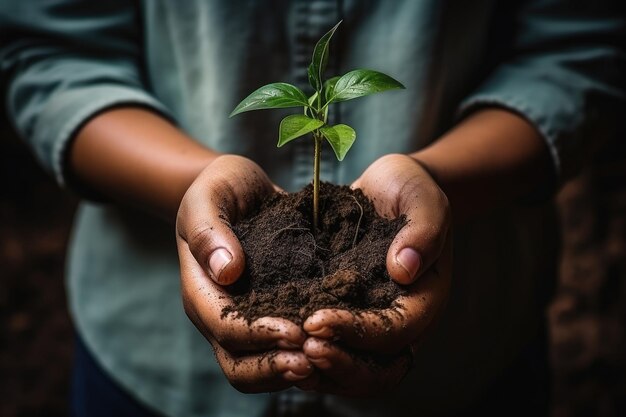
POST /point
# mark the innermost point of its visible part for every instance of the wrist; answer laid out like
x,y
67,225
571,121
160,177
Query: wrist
x,y
182,175
492,158
135,157
423,160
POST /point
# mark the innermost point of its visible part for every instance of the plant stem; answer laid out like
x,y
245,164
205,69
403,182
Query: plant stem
x,y
316,177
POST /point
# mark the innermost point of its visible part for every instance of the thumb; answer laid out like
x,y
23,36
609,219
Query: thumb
x,y
420,242
204,224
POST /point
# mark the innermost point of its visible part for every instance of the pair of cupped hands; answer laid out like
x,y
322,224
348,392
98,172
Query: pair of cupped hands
x,y
333,350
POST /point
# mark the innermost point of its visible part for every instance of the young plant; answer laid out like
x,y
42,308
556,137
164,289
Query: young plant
x,y
354,84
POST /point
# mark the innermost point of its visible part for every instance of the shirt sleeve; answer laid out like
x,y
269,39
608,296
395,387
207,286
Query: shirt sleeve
x,y
64,61
564,75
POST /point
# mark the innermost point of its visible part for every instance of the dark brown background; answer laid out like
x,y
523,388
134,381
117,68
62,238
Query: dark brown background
x,y
587,318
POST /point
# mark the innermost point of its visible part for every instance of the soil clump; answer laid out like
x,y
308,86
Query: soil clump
x,y
292,272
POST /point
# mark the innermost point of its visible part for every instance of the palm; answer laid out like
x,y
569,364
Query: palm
x,y
397,185
211,256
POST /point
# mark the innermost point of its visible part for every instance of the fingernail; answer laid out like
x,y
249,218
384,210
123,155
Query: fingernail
x,y
286,344
292,376
324,332
321,363
218,261
410,260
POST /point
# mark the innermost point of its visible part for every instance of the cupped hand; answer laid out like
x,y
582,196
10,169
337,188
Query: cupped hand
x,y
265,355
369,353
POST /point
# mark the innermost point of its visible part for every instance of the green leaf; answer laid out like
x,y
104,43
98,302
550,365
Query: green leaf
x,y
272,96
294,126
362,82
329,87
340,137
314,79
320,59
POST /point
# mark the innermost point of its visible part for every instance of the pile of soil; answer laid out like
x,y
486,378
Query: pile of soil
x,y
292,272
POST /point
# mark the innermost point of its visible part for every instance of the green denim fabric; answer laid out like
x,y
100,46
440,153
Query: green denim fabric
x,y
556,63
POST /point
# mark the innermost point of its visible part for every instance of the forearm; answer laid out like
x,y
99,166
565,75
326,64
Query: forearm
x,y
136,157
491,158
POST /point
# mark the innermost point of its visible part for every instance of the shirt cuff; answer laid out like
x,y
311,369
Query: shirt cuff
x,y
544,105
67,111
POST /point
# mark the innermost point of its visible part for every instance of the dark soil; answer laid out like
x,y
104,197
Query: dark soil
x,y
292,272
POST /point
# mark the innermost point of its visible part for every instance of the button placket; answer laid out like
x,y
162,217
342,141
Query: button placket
x,y
312,20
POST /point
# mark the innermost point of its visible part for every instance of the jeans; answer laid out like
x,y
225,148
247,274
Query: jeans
x,y
522,390
95,394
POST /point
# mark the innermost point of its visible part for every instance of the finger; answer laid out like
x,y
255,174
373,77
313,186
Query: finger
x,y
420,242
272,371
205,301
220,195
209,235
389,330
344,373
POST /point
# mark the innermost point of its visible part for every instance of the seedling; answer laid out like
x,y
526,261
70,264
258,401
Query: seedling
x,y
354,84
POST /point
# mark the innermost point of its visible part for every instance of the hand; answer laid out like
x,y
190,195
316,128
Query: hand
x,y
341,344
267,354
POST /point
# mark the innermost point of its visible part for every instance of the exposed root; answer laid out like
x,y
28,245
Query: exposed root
x,y
284,229
358,224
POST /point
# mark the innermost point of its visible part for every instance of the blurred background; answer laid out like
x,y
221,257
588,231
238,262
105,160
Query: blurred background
x,y
587,318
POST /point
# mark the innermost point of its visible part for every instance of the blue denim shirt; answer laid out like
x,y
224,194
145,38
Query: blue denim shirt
x,y
554,62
